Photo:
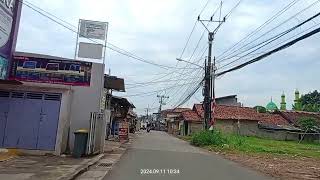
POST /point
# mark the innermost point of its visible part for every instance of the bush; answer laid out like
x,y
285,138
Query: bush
x,y
307,123
206,138
236,141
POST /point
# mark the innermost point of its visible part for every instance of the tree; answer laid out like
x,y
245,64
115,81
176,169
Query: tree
x,y
260,109
307,123
311,102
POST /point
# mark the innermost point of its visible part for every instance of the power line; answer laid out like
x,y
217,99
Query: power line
x,y
135,86
230,55
114,48
275,38
280,42
289,44
187,65
260,27
232,10
157,91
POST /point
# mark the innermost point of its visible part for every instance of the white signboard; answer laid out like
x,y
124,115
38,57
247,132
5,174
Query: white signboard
x,y
89,50
93,29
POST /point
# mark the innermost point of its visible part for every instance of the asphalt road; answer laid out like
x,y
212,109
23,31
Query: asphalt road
x,y
157,155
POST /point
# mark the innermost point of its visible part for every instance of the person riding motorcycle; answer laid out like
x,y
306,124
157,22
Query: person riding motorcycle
x,y
148,127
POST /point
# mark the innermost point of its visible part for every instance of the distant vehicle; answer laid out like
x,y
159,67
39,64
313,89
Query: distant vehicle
x,y
52,67
30,65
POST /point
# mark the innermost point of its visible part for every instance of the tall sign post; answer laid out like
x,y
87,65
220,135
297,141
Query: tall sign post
x,y
91,40
10,12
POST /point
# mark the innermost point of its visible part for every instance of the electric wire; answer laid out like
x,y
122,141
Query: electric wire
x,y
274,38
287,45
278,14
287,20
114,48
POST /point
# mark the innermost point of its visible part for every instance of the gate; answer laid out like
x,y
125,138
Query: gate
x,y
29,120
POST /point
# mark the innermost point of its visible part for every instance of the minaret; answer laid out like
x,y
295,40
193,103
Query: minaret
x,y
283,104
297,100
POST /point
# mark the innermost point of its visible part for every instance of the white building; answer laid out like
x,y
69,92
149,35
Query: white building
x,y
42,117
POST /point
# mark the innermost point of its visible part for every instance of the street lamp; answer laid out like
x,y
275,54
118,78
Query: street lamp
x,y
181,60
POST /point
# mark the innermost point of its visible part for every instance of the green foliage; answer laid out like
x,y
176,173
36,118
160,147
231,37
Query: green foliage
x,y
310,102
205,138
260,109
311,98
228,142
307,123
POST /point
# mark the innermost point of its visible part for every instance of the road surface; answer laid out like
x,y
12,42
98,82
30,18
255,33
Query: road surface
x,y
157,155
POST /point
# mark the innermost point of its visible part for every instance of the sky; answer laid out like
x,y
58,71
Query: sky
x,y
157,31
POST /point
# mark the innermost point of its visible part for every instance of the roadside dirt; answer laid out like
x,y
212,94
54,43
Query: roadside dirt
x,y
279,167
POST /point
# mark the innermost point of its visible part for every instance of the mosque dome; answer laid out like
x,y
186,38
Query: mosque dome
x,y
271,106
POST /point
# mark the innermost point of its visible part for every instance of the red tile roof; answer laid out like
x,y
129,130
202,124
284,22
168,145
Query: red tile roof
x,y
231,112
190,116
175,112
273,119
223,112
293,116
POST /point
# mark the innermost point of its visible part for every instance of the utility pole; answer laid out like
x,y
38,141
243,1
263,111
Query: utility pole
x,y
161,101
210,70
147,111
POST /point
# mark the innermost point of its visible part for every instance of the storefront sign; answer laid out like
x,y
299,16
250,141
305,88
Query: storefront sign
x,y
123,131
10,11
41,70
93,29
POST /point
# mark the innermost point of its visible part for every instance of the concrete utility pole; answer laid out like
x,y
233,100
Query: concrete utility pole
x,y
210,70
147,111
161,101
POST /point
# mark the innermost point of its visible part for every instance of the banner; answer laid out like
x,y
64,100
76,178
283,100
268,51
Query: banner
x,y
41,70
10,11
123,131
93,29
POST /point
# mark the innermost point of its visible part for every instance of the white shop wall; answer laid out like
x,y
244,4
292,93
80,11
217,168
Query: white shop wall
x,y
86,100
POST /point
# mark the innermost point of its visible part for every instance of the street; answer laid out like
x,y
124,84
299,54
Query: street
x,y
157,155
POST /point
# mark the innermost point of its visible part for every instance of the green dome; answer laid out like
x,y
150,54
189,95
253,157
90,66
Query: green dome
x,y
271,106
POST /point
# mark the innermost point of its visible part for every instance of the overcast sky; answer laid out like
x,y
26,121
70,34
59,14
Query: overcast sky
x,y
157,31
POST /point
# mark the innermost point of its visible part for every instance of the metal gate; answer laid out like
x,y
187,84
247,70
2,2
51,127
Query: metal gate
x,y
29,120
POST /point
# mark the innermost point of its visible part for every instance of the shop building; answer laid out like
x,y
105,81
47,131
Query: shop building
x,y
54,98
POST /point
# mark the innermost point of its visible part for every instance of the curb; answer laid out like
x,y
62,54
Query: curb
x,y
83,168
125,146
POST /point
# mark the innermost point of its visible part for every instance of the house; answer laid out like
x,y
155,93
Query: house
x,y
231,100
233,119
244,121
191,122
172,119
121,111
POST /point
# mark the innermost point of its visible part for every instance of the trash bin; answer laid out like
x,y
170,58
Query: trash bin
x,y
80,143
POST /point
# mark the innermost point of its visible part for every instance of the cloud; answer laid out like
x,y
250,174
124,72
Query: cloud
x,y
158,31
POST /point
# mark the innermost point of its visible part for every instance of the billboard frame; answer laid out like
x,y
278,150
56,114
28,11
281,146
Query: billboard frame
x,y
104,42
